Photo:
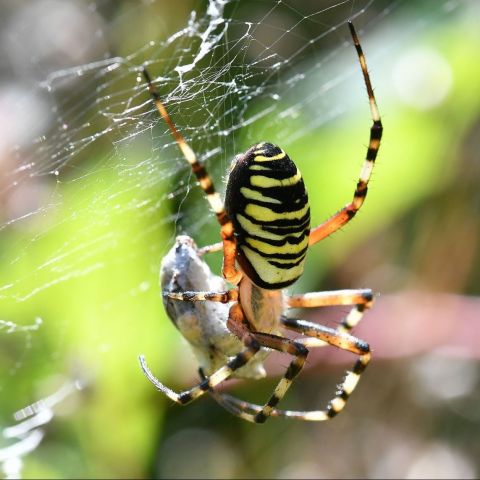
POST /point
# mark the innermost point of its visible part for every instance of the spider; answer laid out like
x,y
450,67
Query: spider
x,y
265,232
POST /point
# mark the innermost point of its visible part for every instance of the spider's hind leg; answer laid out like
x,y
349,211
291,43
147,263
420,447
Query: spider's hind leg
x,y
344,215
206,183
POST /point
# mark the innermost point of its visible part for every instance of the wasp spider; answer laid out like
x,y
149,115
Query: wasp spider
x,y
265,232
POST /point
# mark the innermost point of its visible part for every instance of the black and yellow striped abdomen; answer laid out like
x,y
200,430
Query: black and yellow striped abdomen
x,y
268,205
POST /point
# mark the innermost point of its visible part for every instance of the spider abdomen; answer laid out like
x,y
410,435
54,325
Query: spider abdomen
x,y
268,204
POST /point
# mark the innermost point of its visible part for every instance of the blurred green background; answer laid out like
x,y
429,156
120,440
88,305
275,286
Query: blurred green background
x,y
93,191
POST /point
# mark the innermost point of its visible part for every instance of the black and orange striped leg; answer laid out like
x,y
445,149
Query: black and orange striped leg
x,y
343,216
238,326
252,346
247,410
340,340
240,408
215,247
226,296
256,413
227,231
284,345
361,299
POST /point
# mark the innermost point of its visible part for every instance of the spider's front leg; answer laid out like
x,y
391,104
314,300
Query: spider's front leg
x,y
252,346
259,413
340,340
250,411
222,297
284,345
214,247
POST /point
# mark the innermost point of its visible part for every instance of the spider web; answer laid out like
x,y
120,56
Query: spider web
x,y
94,189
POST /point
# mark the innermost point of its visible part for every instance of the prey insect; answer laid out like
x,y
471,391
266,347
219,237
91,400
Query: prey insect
x,y
265,232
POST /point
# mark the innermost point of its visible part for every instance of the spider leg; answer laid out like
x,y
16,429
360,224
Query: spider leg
x,y
252,346
361,299
284,345
227,231
252,341
260,414
316,336
222,297
340,340
249,411
240,408
215,247
232,404
344,215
